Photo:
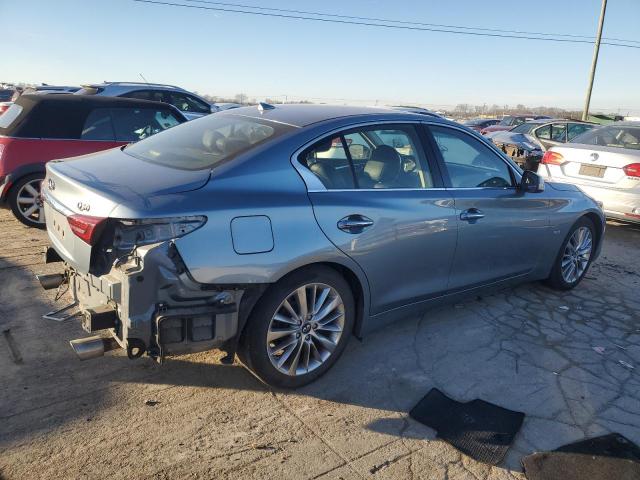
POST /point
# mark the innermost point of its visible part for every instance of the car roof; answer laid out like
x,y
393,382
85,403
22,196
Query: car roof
x,y
29,101
301,115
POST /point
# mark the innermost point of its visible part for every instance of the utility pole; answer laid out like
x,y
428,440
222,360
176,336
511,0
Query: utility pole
x,y
596,50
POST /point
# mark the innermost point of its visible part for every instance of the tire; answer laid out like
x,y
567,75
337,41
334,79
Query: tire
x,y
316,343
20,198
559,280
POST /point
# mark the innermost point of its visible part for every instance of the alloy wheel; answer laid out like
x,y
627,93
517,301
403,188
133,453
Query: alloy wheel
x,y
306,329
30,203
577,254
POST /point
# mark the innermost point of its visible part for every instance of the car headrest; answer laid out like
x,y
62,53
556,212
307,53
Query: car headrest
x,y
384,165
231,145
209,140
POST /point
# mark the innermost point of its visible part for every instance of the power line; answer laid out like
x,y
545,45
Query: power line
x,y
405,22
381,25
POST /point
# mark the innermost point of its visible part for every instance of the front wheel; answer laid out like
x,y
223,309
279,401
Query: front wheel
x,y
299,328
25,201
574,257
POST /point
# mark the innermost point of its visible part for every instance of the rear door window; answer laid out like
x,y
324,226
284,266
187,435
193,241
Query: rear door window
x,y
98,126
370,158
133,124
186,103
576,129
559,132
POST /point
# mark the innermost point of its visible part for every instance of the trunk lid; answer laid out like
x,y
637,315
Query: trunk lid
x,y
597,165
95,185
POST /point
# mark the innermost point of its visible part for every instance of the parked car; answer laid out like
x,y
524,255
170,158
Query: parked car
x,y
4,106
509,121
526,143
226,106
236,231
7,97
47,89
191,105
39,128
605,163
478,124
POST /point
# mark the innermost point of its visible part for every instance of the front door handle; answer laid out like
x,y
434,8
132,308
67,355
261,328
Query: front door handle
x,y
471,215
354,223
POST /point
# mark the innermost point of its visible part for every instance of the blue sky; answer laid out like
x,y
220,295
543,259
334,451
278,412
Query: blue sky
x,y
219,53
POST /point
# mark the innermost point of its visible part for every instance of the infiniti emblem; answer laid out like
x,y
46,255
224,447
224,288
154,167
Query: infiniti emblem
x,y
52,184
594,156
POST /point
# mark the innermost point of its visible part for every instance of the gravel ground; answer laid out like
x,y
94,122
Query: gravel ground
x,y
528,349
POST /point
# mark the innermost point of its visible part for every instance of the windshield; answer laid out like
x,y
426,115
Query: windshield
x,y
623,136
506,121
524,128
206,142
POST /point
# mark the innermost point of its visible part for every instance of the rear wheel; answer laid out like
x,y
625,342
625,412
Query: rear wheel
x,y
25,200
299,328
574,257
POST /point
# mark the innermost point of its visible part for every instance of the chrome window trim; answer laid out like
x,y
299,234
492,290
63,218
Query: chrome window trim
x,y
314,185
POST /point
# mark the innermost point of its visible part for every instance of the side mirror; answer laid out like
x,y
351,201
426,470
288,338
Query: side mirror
x,y
531,182
214,108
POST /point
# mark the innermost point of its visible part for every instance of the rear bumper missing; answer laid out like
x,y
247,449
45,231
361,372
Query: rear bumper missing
x,y
150,304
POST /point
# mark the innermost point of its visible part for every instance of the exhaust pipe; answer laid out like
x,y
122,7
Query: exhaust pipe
x,y
49,282
93,347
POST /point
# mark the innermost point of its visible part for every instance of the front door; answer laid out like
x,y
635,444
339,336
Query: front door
x,y
382,204
500,228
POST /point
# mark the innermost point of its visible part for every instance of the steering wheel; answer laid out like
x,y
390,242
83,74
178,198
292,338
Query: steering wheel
x,y
495,182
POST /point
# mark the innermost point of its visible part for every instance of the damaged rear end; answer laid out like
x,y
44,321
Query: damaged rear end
x,y
125,272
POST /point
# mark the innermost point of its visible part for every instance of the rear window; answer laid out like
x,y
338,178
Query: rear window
x,y
206,142
622,136
9,116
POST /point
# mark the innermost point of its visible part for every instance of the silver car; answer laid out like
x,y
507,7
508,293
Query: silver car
x,y
280,232
191,105
605,164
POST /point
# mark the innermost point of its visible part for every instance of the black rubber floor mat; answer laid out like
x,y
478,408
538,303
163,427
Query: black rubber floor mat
x,y
478,429
602,458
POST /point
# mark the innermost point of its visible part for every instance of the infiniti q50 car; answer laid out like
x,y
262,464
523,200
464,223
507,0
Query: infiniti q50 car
x,y
279,232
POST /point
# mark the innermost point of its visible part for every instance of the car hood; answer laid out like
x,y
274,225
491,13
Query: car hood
x,y
521,140
124,178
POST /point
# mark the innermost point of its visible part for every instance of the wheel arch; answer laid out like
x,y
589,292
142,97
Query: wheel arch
x,y
598,222
357,283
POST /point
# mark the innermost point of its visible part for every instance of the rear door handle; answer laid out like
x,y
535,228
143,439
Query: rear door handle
x,y
471,215
354,223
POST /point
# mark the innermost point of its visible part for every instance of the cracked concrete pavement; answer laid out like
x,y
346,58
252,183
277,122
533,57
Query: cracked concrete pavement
x,y
529,349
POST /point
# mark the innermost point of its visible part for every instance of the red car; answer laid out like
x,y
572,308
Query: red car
x,y
39,128
508,122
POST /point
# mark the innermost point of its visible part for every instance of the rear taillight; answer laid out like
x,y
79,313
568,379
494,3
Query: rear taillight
x,y
4,108
632,170
552,158
85,227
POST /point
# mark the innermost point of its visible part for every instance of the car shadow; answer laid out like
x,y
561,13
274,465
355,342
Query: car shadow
x,y
520,349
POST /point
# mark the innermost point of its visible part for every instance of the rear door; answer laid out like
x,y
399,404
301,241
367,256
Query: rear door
x,y
500,227
552,134
380,200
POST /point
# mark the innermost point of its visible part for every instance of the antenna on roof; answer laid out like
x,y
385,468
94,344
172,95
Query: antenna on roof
x,y
142,77
262,106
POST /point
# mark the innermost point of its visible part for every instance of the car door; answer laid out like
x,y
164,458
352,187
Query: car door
x,y
380,201
500,227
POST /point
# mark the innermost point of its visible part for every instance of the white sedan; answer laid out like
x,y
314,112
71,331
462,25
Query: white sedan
x,y
605,164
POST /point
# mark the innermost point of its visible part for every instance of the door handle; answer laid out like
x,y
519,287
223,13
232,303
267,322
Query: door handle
x,y
354,223
471,215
